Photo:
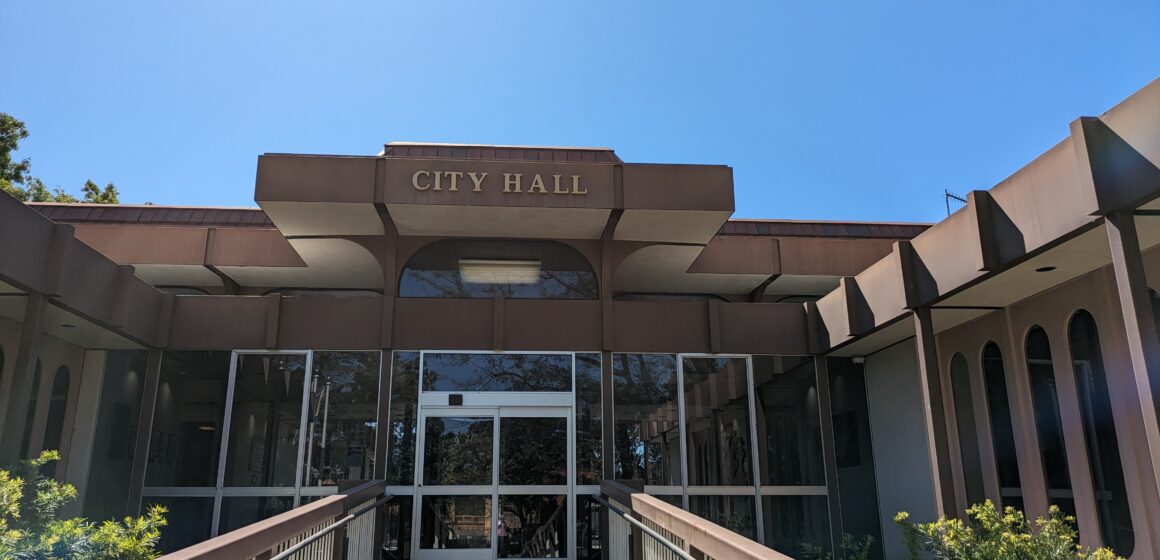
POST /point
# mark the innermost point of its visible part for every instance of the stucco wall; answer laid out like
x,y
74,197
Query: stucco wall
x,y
901,459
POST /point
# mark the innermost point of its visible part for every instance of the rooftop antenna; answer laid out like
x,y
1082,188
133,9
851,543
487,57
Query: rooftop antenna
x,y
948,195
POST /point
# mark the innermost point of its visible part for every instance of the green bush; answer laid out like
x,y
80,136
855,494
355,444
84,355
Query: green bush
x,y
990,535
30,527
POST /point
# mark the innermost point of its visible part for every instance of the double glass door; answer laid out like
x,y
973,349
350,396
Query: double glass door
x,y
494,482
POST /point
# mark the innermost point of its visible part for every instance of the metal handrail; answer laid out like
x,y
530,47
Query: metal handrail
x,y
648,530
330,528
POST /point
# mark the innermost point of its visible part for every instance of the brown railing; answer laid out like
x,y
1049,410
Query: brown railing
x,y
343,525
655,530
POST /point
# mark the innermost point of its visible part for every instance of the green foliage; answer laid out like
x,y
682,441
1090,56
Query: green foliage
x,y
991,535
853,548
14,173
30,526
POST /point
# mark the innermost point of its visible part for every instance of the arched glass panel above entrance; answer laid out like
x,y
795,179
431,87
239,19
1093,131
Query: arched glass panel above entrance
x,y
461,268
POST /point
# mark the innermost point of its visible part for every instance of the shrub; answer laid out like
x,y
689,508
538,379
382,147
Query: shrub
x,y
853,548
30,527
993,536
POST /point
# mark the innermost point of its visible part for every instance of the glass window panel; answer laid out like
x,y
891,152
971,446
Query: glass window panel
x,y
30,414
1002,431
533,450
1048,424
1103,450
457,450
857,479
532,527
343,409
455,522
265,420
111,461
397,528
401,439
587,528
717,422
239,512
589,451
736,513
796,524
647,445
788,421
187,418
965,422
497,372
54,423
190,521
510,269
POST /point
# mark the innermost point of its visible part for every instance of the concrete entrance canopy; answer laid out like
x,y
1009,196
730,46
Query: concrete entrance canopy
x,y
494,191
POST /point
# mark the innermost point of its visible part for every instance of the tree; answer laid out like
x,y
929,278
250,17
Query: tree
x,y
15,173
30,526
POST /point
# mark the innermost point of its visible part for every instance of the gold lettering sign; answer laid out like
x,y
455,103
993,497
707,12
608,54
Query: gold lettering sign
x,y
513,183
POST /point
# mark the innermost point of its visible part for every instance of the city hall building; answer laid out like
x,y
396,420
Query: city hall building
x,y
499,335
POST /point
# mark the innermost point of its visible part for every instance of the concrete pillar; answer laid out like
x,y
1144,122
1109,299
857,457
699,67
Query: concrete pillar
x,y
829,455
935,412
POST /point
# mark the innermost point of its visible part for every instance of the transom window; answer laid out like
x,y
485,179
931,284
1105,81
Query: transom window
x,y
461,268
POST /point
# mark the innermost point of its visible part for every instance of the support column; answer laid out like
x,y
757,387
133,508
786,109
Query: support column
x,y
1143,345
144,430
829,455
16,406
934,412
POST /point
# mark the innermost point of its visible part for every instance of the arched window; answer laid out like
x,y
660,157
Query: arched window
x,y
968,435
54,425
1002,432
461,268
1099,428
30,416
1048,423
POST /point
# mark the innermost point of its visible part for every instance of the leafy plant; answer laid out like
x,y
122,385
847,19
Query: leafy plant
x,y
30,527
992,535
853,548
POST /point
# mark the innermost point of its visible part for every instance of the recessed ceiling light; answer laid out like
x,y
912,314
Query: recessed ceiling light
x,y
1045,269
206,428
68,325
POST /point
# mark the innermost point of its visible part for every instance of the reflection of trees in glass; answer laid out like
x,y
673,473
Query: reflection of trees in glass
x,y
343,407
589,462
497,372
535,526
404,419
645,414
717,421
434,271
788,422
533,451
457,451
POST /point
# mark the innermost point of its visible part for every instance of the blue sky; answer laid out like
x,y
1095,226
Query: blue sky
x,y
826,110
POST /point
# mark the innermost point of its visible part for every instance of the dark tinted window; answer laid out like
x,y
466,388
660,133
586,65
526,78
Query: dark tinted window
x,y
342,417
512,269
404,419
717,431
114,439
789,432
1103,451
968,437
589,452
1002,432
1049,426
54,424
188,417
497,372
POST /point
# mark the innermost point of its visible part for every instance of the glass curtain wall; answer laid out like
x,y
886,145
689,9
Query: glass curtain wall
x,y
735,439
297,424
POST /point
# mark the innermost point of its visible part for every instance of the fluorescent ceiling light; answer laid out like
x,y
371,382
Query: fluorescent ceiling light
x,y
483,271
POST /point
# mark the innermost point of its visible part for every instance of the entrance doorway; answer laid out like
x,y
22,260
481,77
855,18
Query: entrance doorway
x,y
495,479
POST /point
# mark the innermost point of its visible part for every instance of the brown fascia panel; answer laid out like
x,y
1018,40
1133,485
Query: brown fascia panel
x,y
307,178
830,257
190,245
677,187
739,255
